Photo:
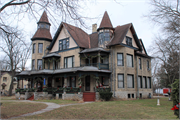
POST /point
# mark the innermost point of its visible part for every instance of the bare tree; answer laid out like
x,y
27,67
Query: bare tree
x,y
13,11
165,49
16,51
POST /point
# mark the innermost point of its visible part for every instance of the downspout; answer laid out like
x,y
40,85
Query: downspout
x,y
114,72
137,77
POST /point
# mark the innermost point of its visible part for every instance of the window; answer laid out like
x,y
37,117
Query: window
x,y
72,82
69,62
147,65
33,64
129,60
39,64
148,82
4,79
120,61
106,36
144,82
139,81
130,81
140,63
64,44
128,41
40,48
34,47
105,81
120,81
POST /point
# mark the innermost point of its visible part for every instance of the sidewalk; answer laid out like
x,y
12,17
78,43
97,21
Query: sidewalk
x,y
51,106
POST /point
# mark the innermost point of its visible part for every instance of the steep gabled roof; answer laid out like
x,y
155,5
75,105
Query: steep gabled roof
x,y
80,37
44,18
120,33
94,39
106,22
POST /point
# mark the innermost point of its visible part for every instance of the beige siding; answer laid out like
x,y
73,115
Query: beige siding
x,y
63,34
129,34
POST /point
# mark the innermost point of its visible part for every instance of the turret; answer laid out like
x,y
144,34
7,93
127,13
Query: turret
x,y
105,31
40,41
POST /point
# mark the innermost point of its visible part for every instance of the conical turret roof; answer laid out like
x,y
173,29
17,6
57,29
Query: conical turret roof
x,y
106,22
43,33
44,18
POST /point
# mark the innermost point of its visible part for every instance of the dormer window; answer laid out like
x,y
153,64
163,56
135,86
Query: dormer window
x,y
128,41
64,44
43,25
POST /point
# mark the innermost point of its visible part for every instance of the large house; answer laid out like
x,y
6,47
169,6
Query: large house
x,y
110,57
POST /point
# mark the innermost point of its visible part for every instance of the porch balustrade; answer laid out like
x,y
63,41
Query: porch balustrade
x,y
99,65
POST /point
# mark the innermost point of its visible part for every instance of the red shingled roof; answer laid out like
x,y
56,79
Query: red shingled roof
x,y
119,34
94,39
42,33
80,37
44,18
106,22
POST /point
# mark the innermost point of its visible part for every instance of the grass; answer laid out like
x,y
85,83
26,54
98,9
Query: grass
x,y
130,109
8,98
60,101
11,109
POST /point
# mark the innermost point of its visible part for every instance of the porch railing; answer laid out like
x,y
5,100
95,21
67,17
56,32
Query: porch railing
x,y
99,65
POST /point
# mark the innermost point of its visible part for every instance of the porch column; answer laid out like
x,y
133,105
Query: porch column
x,y
99,60
53,64
52,82
43,64
22,83
48,65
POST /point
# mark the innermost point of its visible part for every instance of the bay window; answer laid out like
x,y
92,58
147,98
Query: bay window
x,y
120,81
39,64
129,60
40,47
120,61
130,81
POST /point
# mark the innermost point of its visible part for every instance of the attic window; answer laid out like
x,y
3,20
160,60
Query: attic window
x,y
64,44
128,41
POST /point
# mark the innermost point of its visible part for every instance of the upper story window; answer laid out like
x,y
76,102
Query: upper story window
x,y
120,81
128,41
130,81
129,60
148,82
34,47
64,44
139,81
148,65
104,35
33,64
140,67
120,60
4,79
43,25
69,62
39,64
40,47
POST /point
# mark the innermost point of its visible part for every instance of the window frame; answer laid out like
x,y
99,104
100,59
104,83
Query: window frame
x,y
120,80
120,59
66,61
132,80
4,79
33,65
38,65
145,82
34,48
149,81
64,45
129,41
39,47
131,59
140,63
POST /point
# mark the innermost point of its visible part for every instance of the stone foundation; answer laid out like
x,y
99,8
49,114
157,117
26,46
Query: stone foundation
x,y
78,96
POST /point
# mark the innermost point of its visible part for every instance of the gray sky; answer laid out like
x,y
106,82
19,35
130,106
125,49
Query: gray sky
x,y
120,12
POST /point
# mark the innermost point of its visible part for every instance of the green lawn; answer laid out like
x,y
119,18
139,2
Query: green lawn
x,y
60,101
11,109
130,109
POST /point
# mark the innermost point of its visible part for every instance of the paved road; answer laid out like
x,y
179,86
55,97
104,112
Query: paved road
x,y
51,106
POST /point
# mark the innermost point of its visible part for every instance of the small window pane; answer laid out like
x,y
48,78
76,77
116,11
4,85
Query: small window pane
x,y
39,64
40,47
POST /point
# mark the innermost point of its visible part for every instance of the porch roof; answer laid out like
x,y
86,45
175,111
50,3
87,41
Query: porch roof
x,y
52,55
94,50
66,70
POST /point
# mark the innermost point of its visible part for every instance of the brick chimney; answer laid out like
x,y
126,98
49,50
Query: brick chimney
x,y
94,28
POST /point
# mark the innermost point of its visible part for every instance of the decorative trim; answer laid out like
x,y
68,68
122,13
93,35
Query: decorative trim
x,y
43,39
66,50
128,46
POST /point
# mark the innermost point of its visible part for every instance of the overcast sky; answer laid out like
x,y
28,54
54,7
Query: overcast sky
x,y
120,12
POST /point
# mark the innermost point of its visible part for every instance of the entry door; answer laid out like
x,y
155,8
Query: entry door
x,y
87,83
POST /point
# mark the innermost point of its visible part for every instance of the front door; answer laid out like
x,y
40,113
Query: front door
x,y
87,81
